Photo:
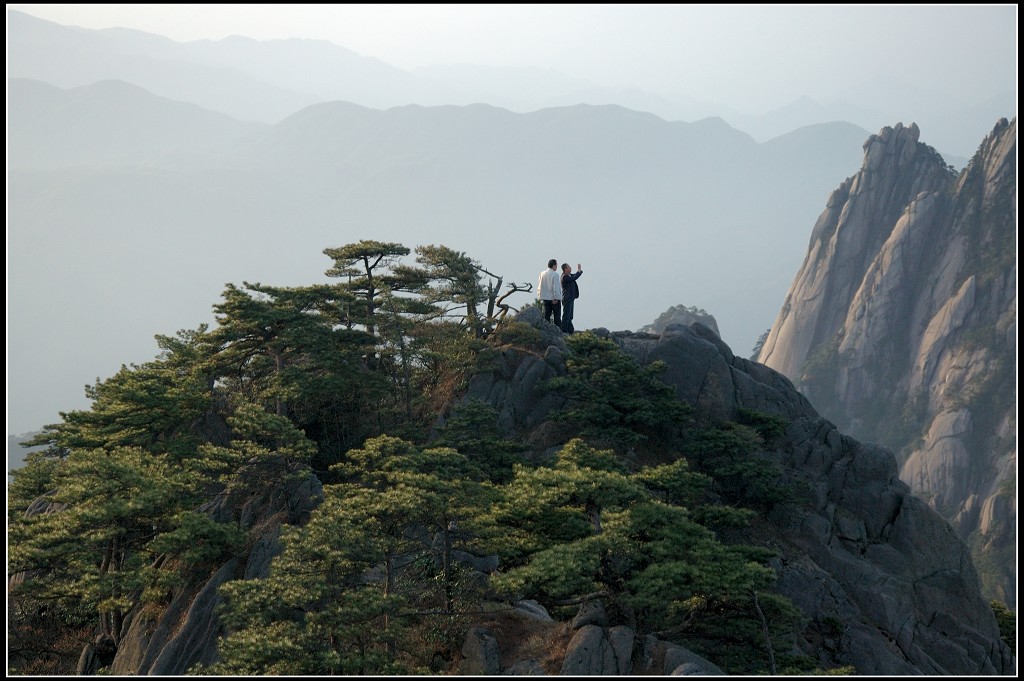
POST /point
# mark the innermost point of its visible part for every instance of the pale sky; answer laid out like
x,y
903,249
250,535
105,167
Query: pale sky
x,y
751,57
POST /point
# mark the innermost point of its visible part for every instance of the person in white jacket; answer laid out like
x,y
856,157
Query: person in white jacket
x,y
549,290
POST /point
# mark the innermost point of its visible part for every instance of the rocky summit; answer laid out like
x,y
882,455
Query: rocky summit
x,y
885,583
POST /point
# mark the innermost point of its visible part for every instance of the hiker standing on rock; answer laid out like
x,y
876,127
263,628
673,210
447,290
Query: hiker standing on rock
x,y
549,290
570,292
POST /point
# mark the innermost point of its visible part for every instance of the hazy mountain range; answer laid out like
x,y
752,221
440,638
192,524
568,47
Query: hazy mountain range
x,y
269,80
144,174
115,238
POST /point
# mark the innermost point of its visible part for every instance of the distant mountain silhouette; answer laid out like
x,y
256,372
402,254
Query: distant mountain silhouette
x,y
955,127
110,122
271,79
71,57
656,211
801,112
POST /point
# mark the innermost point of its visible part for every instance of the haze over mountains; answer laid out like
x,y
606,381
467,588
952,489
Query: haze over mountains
x,y
268,80
144,174
134,241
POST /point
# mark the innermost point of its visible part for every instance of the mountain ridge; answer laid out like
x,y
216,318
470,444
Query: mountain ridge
x,y
109,122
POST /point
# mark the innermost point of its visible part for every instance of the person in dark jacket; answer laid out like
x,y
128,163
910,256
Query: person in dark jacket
x,y
570,292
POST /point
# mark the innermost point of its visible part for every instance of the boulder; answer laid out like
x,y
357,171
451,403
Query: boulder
x,y
661,658
480,654
596,651
590,612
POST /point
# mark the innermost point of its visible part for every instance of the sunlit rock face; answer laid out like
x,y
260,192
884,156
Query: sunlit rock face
x,y
900,327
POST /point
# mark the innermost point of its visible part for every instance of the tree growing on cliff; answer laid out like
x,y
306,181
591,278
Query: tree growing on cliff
x,y
612,399
118,477
375,560
584,529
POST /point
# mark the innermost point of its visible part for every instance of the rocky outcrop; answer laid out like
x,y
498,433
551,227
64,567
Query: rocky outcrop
x,y
599,651
884,583
715,388
901,328
668,659
588,648
857,221
480,654
683,316
869,564
864,553
513,383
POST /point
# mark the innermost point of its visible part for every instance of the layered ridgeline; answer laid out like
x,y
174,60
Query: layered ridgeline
x,y
267,80
901,328
127,212
391,475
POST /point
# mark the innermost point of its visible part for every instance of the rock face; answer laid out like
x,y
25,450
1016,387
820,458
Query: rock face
x,y
589,648
864,552
668,659
514,383
870,564
480,654
901,328
599,651
170,641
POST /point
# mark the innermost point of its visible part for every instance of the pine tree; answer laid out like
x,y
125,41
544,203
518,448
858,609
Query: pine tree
x,y
374,561
152,405
456,284
371,268
584,529
91,551
611,398
473,430
288,349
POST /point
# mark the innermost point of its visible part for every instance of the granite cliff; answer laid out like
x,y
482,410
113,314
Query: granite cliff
x,y
900,327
